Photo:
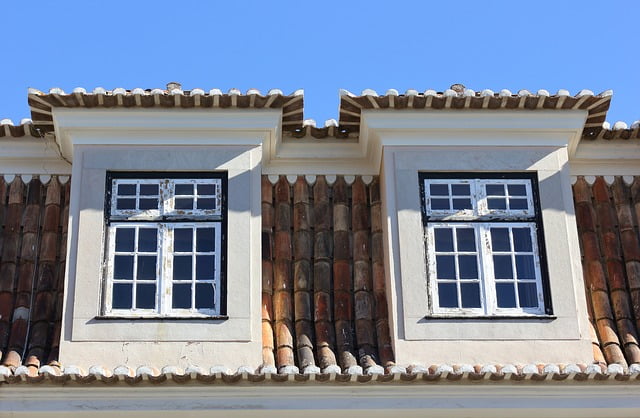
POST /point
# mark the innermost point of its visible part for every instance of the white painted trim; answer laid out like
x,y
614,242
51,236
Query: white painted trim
x,y
566,399
31,155
616,157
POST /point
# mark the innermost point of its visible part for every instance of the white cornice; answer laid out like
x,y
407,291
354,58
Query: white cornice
x,y
30,155
609,399
601,157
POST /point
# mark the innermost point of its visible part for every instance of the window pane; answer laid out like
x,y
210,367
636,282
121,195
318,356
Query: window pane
x,y
205,239
500,239
149,189
506,295
502,267
206,203
447,295
461,204
204,267
517,190
466,239
183,203
495,190
446,266
146,296
181,298
460,190
182,239
126,189
470,293
204,296
148,204
126,204
124,239
184,189
468,266
439,190
148,240
527,293
439,204
123,267
146,267
518,204
122,296
494,203
525,267
206,189
522,239
182,267
444,239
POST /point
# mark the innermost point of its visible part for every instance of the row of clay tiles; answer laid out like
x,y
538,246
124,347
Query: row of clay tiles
x,y
608,226
443,373
33,217
323,286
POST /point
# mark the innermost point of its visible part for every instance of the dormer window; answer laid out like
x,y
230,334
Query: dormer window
x,y
164,245
483,240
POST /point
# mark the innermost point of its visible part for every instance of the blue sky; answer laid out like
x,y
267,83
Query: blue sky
x,y
322,47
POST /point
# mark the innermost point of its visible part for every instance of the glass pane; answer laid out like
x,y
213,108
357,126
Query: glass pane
x,y
122,296
447,295
528,296
126,204
522,239
148,240
460,190
205,239
500,239
470,293
446,266
182,239
468,266
124,239
525,267
146,296
184,189
502,267
440,204
204,267
506,295
149,189
206,203
494,203
460,204
184,203
495,190
439,190
204,296
181,298
518,204
466,239
147,204
517,190
182,267
126,189
123,267
444,239
146,267
206,189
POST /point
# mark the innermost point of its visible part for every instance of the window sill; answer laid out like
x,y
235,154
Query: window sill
x,y
162,318
489,318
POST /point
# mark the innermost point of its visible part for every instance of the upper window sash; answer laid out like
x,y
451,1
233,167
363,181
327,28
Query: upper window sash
x,y
478,199
150,199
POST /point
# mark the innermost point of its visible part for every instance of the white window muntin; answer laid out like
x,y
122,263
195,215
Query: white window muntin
x,y
164,270
486,269
478,204
203,190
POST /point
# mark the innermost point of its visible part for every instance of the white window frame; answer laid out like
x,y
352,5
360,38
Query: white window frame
x,y
481,219
166,218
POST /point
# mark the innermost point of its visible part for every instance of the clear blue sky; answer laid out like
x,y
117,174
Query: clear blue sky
x,y
321,47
